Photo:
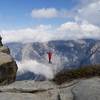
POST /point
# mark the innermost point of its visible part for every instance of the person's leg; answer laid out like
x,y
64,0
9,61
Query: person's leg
x,y
50,60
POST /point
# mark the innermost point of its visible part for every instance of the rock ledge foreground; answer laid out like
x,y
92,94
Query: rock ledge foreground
x,y
83,89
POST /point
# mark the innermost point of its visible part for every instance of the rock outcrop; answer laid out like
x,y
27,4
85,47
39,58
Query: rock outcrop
x,y
8,67
5,49
83,89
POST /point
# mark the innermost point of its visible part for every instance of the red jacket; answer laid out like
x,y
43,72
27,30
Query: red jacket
x,y
49,55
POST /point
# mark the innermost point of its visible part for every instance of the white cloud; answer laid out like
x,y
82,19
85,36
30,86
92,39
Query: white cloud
x,y
69,26
82,27
42,33
48,13
90,12
83,3
73,30
35,67
38,33
86,27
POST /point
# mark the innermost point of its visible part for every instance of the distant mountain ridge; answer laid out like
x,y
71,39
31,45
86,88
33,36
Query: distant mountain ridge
x,y
67,54
73,50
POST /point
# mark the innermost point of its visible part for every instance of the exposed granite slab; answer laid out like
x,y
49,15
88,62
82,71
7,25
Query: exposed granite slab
x,y
84,89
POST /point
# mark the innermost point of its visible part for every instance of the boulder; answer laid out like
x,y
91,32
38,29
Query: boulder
x,y
8,69
8,66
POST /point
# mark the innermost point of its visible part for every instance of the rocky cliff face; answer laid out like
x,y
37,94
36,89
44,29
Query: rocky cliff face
x,y
8,67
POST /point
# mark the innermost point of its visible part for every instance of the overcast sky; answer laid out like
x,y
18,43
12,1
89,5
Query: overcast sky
x,y
44,20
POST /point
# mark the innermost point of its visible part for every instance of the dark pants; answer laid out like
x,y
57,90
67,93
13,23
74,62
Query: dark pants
x,y
50,60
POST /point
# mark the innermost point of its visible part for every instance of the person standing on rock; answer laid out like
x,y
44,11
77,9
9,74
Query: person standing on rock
x,y
49,56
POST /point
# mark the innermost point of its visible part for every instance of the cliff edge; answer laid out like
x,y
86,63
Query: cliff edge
x,y
83,89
